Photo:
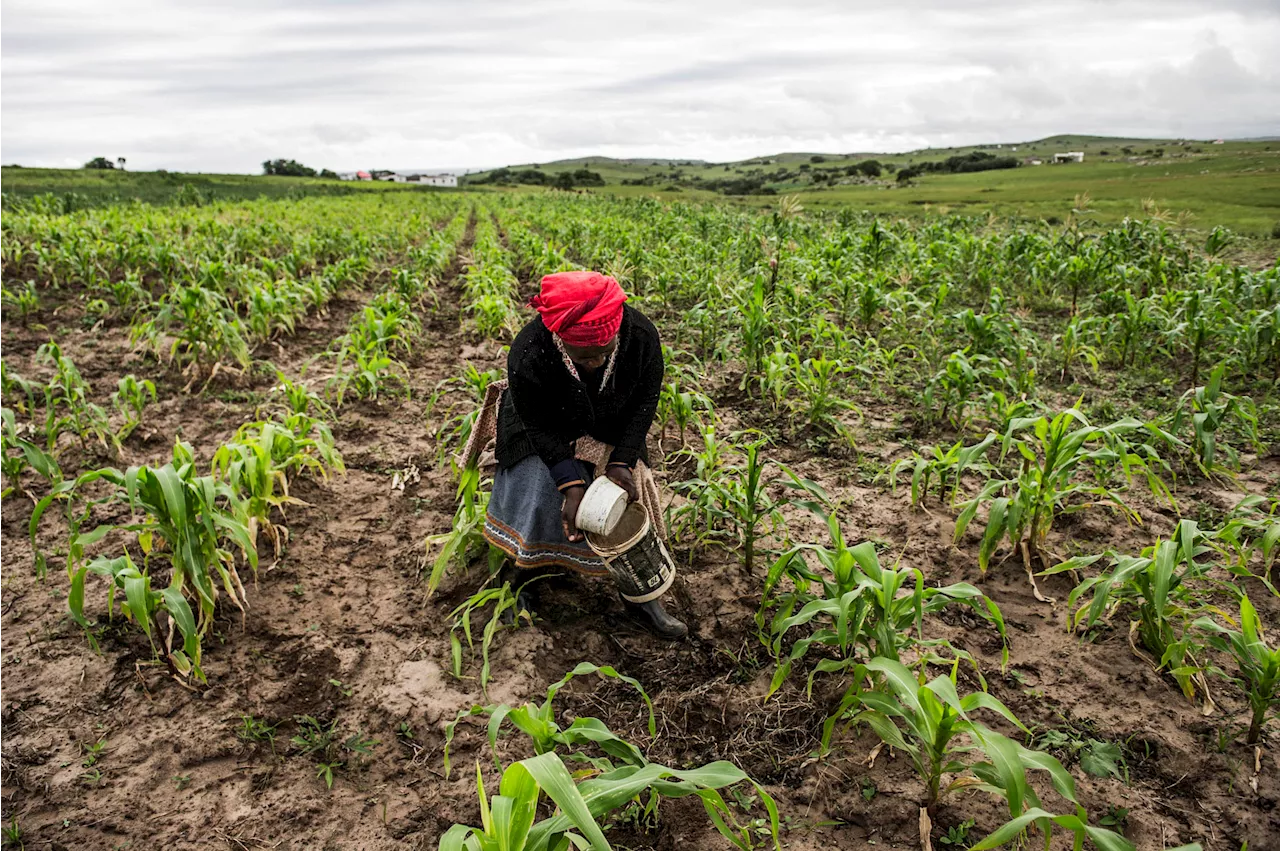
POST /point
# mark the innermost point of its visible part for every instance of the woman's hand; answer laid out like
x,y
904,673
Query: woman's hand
x,y
569,513
622,476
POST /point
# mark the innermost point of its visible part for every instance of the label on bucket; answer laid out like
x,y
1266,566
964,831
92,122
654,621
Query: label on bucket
x,y
644,572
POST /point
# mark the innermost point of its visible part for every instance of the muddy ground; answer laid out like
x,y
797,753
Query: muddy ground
x,y
341,629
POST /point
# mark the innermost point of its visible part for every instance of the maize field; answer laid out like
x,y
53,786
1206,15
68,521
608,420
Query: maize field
x,y
975,521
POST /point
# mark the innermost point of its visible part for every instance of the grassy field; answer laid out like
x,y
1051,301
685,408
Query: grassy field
x,y
1235,184
93,187
1200,185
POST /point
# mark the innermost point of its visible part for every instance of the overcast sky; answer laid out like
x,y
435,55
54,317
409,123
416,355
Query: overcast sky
x,y
222,86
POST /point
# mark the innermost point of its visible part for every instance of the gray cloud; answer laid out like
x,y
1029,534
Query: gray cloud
x,y
223,86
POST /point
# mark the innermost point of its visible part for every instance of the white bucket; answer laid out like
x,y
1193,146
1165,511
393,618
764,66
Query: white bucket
x,y
601,507
636,557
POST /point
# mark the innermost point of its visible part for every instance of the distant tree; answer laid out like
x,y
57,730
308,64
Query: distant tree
x,y
817,158
586,177
564,180
871,168
331,175
906,175
100,162
120,163
287,168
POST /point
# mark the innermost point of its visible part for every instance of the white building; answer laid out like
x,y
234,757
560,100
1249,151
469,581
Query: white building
x,y
423,179
434,179
1069,157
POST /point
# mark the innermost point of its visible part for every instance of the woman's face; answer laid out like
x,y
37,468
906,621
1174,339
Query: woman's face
x,y
591,358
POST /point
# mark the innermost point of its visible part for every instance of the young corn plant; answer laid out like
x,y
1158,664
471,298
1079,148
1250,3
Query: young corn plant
x,y
946,467
198,327
731,502
930,722
817,402
509,819
1072,348
952,390
473,385
247,466
1193,324
130,399
66,402
1159,584
25,300
465,541
18,454
1208,409
20,394
926,722
1053,451
681,408
196,518
863,610
1257,665
504,599
538,722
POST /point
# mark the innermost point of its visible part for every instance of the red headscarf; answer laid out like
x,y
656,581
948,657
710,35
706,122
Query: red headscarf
x,y
581,308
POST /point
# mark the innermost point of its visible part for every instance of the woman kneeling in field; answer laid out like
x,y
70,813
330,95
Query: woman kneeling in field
x,y
586,372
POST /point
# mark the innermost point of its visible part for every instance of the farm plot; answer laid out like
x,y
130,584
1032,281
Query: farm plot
x,y
976,527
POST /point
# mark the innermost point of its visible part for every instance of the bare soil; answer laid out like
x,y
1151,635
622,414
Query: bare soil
x,y
341,629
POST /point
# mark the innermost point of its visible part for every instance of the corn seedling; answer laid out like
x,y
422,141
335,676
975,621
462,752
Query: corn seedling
x,y
19,393
67,405
465,540
1052,453
248,469
504,598
538,722
290,397
680,408
508,819
200,327
18,454
1072,349
1158,582
129,399
25,300
947,467
931,724
817,404
864,610
456,428
1257,671
1193,324
193,516
11,834
1208,409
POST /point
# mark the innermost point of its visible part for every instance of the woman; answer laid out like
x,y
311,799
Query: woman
x,y
587,365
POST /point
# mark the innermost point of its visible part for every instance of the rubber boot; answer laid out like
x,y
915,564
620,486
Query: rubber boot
x,y
656,619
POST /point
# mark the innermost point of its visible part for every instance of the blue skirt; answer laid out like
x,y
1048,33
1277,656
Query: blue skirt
x,y
524,521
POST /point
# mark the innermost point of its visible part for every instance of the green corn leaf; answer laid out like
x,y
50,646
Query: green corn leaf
x,y
550,774
75,598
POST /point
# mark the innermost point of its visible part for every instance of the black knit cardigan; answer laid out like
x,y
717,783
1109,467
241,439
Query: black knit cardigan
x,y
545,408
